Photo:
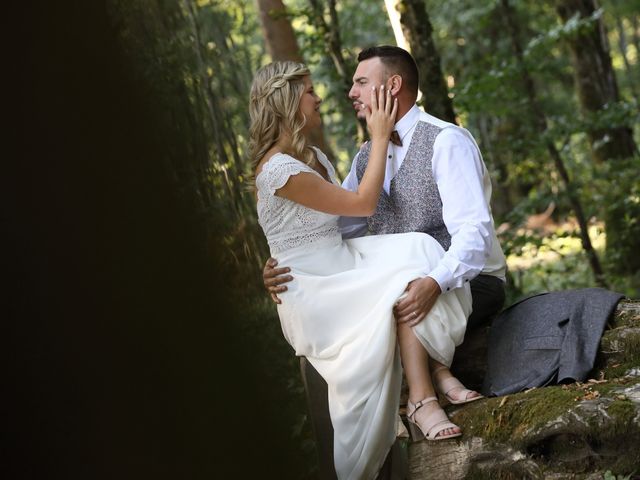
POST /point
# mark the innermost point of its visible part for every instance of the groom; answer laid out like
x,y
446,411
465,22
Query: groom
x,y
435,182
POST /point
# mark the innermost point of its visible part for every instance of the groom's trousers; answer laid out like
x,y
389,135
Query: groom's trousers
x,y
487,294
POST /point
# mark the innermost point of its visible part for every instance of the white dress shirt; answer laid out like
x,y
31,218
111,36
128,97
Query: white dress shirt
x,y
465,189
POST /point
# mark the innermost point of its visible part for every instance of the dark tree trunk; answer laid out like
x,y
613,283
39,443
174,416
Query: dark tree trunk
x,y
595,79
541,124
622,45
279,37
331,34
636,28
282,45
417,30
597,87
333,43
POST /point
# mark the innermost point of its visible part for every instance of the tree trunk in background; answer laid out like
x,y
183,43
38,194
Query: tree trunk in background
x,y
214,112
225,169
622,44
282,45
278,34
635,37
333,44
505,193
540,120
597,87
595,79
417,31
508,189
331,35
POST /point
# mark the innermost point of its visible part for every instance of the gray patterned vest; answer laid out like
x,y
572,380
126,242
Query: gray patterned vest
x,y
413,203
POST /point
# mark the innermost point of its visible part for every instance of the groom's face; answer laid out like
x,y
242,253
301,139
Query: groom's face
x,y
369,73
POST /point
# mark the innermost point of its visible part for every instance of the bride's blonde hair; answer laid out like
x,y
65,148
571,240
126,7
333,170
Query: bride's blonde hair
x,y
274,111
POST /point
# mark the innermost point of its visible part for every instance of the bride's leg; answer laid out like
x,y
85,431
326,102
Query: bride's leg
x,y
456,393
415,361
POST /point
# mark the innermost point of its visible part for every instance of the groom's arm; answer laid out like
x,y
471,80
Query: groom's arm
x,y
274,279
458,171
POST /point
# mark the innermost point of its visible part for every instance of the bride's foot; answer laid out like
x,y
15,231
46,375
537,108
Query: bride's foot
x,y
428,420
449,386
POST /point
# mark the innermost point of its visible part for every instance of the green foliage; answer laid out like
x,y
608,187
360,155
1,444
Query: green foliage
x,y
622,206
358,28
201,56
491,99
611,476
477,56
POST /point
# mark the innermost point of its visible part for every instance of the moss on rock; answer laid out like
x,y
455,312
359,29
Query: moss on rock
x,y
509,418
627,314
576,431
620,349
623,410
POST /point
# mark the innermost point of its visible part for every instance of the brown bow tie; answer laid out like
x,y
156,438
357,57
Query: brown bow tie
x,y
395,138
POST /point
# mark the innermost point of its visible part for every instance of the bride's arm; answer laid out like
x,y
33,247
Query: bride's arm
x,y
313,192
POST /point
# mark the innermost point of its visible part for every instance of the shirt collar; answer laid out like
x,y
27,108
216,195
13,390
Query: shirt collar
x,y
408,121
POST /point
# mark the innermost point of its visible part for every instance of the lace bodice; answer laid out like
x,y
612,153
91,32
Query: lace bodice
x,y
285,223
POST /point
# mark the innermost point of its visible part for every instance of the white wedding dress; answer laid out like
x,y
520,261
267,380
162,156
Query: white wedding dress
x,y
337,312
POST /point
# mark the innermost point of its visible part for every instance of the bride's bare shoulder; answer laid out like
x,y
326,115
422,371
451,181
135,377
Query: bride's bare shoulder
x,y
267,156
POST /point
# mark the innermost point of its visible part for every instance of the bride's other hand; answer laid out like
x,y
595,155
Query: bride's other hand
x,y
381,118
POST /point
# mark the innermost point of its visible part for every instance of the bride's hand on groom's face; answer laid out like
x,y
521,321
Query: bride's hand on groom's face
x,y
419,297
381,115
274,278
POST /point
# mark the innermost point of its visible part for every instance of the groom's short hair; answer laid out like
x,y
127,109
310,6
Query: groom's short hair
x,y
396,61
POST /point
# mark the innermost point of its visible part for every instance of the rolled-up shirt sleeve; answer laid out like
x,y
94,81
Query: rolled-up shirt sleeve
x,y
458,171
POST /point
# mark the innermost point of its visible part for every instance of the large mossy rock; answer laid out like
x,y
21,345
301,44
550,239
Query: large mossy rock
x,y
576,431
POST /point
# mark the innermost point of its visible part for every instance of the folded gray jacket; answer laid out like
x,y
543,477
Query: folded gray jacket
x,y
548,338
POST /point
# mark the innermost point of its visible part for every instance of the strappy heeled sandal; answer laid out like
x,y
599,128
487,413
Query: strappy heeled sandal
x,y
434,424
445,387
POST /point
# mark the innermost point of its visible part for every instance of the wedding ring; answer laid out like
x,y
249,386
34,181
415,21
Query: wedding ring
x,y
414,315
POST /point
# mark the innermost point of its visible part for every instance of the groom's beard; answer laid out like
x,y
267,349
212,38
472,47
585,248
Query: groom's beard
x,y
360,109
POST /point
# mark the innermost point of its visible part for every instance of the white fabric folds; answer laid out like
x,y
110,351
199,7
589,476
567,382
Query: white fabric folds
x,y
337,312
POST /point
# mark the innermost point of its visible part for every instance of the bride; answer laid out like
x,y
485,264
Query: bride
x,y
337,311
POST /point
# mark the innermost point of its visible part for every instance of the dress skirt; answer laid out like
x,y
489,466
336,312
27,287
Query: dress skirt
x,y
337,312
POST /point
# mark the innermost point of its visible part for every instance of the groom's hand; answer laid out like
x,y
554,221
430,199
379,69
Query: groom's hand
x,y
273,279
420,296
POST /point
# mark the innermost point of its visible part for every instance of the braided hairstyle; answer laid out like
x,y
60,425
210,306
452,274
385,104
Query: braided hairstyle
x,y
274,111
